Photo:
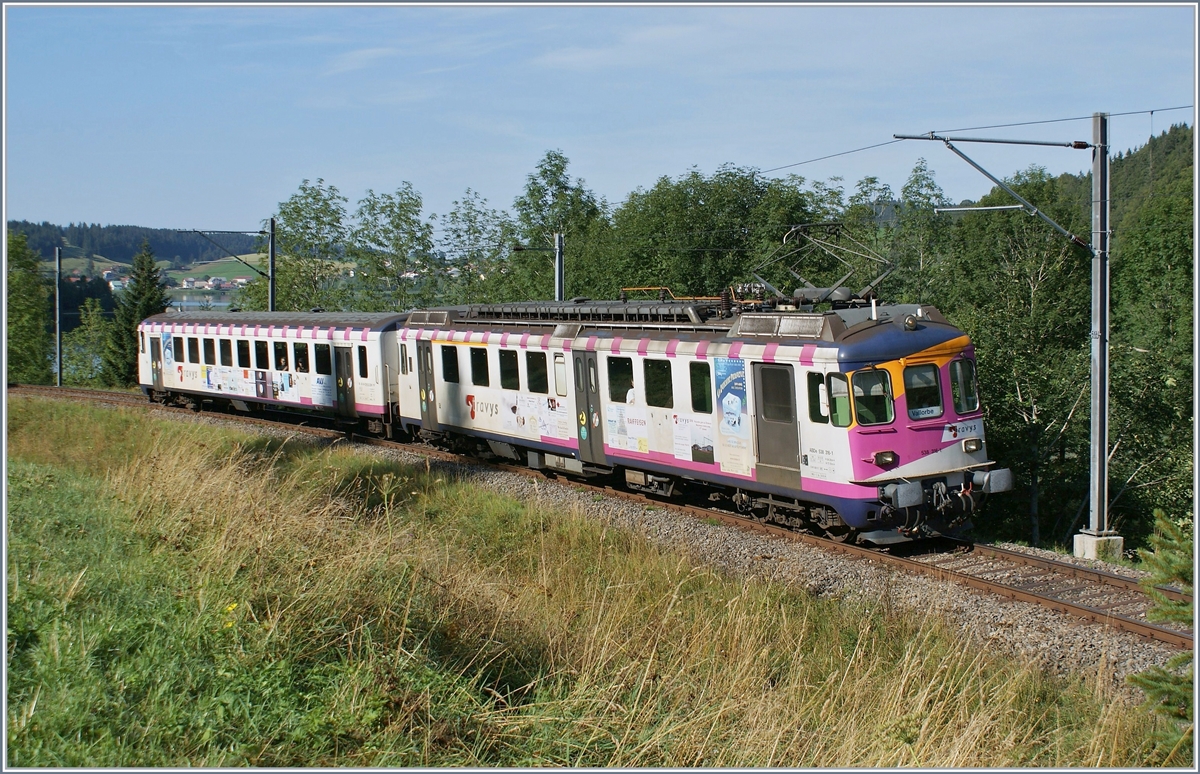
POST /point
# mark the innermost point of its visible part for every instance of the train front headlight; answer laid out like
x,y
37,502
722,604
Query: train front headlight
x,y
972,445
885,458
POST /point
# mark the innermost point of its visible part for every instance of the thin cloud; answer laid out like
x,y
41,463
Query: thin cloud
x,y
358,60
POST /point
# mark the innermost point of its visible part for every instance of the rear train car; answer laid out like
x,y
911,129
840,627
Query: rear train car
x,y
338,364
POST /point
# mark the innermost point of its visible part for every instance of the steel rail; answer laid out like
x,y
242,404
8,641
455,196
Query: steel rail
x,y
1145,629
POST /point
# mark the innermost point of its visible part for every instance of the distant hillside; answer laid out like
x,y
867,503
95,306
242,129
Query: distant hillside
x,y
121,243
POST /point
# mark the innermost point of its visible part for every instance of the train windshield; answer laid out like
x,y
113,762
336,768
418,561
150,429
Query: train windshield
x,y
922,391
872,397
962,385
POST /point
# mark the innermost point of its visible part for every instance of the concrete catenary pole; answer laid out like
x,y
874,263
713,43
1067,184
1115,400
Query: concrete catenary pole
x,y
560,278
271,268
58,317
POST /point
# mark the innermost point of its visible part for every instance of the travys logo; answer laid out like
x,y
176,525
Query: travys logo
x,y
953,432
482,407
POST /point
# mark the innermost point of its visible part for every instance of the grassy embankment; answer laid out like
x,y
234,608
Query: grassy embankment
x,y
183,596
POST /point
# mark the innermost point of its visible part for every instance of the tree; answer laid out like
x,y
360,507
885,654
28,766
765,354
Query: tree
x,y
475,240
311,239
1169,690
145,295
83,348
921,235
552,203
28,318
392,248
1021,291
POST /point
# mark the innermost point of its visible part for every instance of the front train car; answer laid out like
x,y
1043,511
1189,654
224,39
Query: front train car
x,y
904,394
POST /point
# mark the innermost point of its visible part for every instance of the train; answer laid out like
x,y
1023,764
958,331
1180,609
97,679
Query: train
x,y
862,422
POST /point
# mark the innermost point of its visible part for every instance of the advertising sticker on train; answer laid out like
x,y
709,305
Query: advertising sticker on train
x,y
734,429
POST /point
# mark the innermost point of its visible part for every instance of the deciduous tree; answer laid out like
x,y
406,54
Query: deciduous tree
x,y
28,339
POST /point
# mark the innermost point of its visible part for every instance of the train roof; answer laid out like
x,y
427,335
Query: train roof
x,y
376,321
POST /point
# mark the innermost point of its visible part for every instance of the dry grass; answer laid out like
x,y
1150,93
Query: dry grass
x,y
566,643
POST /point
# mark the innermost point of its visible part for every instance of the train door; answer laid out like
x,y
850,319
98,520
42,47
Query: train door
x,y
156,362
777,427
425,385
343,369
587,407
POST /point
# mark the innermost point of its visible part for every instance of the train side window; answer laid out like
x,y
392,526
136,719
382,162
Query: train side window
x,y
660,391
818,403
300,357
510,376
560,375
922,391
210,352
281,356
177,350
262,357
362,363
535,372
579,374
839,400
963,386
620,380
479,366
450,363
701,377
324,359
193,350
226,352
243,349
404,358
141,341
872,397
777,394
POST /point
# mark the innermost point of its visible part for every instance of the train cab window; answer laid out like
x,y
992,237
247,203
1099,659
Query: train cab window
x,y
560,375
323,358
404,358
281,356
963,387
177,350
701,378
510,376
300,357
872,397
362,362
210,352
262,358
922,391
243,348
193,350
659,389
838,390
535,372
620,380
818,398
450,364
226,352
777,395
479,366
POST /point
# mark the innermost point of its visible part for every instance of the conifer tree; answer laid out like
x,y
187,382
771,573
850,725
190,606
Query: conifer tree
x,y
28,318
145,295
1169,690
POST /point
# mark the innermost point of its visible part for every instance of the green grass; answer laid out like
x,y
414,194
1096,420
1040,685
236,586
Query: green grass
x,y
298,604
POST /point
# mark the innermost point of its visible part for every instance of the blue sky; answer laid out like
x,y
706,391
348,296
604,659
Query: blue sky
x,y
207,117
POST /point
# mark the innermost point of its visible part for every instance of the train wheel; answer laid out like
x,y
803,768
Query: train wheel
x,y
842,534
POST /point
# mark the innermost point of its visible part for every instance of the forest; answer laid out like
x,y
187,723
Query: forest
x,y
121,243
1016,286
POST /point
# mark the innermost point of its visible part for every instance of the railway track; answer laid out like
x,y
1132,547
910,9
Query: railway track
x,y
1093,595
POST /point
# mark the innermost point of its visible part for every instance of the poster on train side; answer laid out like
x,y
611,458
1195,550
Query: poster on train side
x,y
733,430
